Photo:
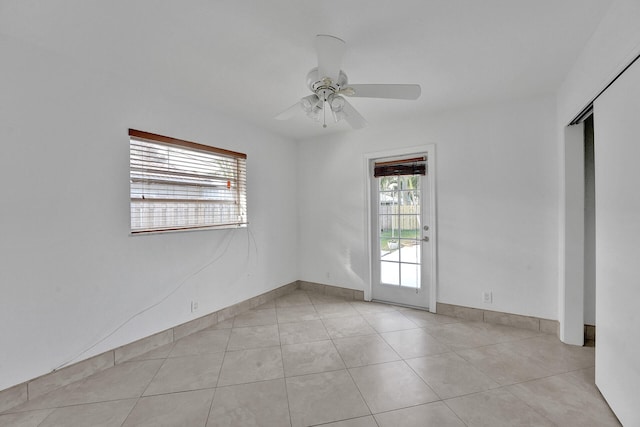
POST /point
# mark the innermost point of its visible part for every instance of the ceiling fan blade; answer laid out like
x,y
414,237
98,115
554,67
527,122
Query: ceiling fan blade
x,y
384,91
352,116
294,110
330,53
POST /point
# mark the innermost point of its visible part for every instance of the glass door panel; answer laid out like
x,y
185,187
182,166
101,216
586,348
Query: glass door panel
x,y
399,224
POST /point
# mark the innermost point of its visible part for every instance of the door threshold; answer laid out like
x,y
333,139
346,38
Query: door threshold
x,y
415,307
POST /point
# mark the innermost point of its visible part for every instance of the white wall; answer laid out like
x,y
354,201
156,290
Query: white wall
x,y
496,204
69,271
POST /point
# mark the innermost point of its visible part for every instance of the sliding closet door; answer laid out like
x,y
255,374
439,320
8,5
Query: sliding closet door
x,y
617,175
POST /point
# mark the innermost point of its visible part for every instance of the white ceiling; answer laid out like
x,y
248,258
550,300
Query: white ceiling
x,y
249,58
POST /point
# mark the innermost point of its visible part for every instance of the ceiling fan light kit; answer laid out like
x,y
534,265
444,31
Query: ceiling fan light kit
x,y
328,83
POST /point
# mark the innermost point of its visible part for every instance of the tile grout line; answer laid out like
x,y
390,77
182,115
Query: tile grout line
x,y
128,413
284,373
224,356
527,403
346,368
423,380
146,388
454,412
355,384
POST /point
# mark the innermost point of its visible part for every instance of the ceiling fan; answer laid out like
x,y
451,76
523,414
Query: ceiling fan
x,y
329,83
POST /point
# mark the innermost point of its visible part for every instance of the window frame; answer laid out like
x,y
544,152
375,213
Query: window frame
x,y
174,180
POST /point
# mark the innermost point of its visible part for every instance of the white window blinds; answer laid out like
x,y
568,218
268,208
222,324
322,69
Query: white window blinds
x,y
179,185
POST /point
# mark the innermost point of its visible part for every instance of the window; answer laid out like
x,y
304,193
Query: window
x,y
181,185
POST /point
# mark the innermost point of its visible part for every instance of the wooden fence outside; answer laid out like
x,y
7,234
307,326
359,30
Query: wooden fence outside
x,y
399,217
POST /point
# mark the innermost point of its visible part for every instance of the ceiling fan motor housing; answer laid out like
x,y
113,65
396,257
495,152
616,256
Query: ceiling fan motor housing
x,y
324,86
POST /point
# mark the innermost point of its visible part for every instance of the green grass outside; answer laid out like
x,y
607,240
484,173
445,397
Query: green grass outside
x,y
385,236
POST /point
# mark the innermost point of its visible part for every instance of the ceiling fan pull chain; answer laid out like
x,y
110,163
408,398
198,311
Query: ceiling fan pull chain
x,y
324,115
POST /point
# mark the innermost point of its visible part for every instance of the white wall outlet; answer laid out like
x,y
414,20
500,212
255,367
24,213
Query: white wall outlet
x,y
487,297
194,306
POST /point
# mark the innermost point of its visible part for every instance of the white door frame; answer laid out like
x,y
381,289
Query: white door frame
x,y
571,289
430,149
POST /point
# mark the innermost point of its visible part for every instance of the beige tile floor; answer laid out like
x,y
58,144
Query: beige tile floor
x,y
310,359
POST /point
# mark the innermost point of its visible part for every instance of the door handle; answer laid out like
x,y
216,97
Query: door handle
x,y
425,239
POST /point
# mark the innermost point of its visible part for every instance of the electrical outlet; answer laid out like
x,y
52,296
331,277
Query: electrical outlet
x,y
487,297
194,306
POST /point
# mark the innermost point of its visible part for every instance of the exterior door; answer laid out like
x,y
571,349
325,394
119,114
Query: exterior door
x,y
401,230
